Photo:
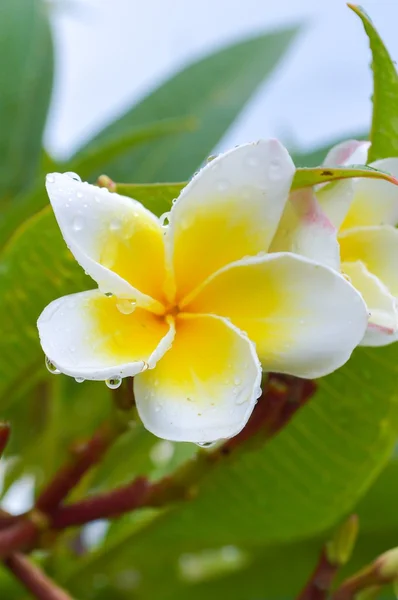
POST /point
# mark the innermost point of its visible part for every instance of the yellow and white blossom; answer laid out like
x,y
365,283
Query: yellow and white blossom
x,y
192,308
365,213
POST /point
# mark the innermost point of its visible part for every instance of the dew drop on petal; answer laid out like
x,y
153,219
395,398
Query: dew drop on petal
x,y
79,379
164,219
78,223
252,161
126,307
222,185
51,367
80,196
73,176
108,294
206,444
237,381
145,367
115,225
113,382
50,179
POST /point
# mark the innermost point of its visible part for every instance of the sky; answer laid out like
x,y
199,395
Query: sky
x,y
110,53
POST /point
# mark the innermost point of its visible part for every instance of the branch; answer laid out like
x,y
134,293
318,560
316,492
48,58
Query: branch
x,y
333,556
19,536
34,579
103,506
382,571
5,431
83,458
282,397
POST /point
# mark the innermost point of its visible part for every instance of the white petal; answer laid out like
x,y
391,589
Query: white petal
x,y
205,387
304,318
115,239
377,249
229,210
350,152
375,202
86,335
383,315
305,229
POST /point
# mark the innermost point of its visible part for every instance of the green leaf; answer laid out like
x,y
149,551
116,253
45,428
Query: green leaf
x,y
213,90
36,267
91,160
156,197
308,177
384,130
26,80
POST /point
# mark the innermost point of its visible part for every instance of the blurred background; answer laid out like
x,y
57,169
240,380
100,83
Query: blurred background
x,y
111,53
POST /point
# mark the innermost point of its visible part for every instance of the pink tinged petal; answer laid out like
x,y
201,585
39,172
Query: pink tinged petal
x,y
306,230
115,239
205,387
383,315
350,152
335,200
304,318
230,209
87,336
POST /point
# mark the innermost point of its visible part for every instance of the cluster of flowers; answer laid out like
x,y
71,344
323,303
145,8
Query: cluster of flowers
x,y
246,276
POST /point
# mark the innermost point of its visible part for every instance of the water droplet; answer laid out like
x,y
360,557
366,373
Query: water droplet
x,y
78,223
79,379
241,399
80,196
274,171
237,381
97,200
158,408
126,307
73,176
145,367
115,225
113,383
222,185
164,219
108,294
50,179
51,367
252,161
206,444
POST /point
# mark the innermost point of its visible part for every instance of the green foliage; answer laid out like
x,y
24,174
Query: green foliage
x,y
25,81
384,131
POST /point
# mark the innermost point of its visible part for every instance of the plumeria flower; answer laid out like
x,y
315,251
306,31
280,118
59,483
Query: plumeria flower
x,y
365,213
195,309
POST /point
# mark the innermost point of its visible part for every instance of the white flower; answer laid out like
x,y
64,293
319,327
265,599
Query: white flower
x,y
196,305
365,214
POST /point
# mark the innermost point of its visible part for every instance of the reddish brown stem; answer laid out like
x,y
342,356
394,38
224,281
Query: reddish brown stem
x,y
282,397
4,436
85,456
320,582
34,579
103,506
17,537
